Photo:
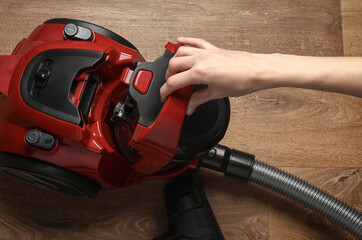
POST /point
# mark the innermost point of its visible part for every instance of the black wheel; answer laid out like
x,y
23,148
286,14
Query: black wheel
x,y
98,29
47,176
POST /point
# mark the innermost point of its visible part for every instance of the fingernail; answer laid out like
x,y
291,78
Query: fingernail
x,y
190,111
179,38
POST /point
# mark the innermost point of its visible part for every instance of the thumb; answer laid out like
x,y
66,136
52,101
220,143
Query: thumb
x,y
199,97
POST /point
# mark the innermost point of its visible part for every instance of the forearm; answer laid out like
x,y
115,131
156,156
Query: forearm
x,y
236,73
334,74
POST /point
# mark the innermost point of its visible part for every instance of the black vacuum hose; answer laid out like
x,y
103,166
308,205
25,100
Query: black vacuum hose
x,y
244,166
308,195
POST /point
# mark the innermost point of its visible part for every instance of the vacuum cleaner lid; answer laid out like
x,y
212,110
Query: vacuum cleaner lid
x,y
200,132
151,134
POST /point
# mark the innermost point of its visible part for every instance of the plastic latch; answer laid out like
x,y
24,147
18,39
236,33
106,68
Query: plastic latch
x,y
142,81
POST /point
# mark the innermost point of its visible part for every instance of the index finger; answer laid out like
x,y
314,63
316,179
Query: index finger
x,y
195,42
175,82
179,64
184,51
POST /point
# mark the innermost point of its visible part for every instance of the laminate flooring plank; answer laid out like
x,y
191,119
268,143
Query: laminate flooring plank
x,y
352,27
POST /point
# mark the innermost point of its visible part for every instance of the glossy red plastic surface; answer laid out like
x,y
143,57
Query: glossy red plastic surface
x,y
157,143
142,81
7,68
89,150
171,47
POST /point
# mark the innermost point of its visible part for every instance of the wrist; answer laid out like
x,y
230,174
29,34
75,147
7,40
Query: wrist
x,y
268,72
282,70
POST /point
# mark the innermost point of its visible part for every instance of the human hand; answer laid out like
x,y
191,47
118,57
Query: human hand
x,y
236,73
225,72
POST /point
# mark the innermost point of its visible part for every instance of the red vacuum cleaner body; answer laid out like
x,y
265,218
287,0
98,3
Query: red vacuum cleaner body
x,y
79,102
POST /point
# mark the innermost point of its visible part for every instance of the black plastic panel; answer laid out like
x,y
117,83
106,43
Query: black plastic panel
x,y
149,104
87,97
53,98
189,213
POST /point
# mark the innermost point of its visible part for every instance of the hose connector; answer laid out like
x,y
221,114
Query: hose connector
x,y
232,163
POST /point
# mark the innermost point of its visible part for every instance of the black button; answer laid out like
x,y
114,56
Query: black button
x,y
74,32
32,136
38,139
70,30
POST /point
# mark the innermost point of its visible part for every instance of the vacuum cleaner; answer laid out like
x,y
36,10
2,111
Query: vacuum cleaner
x,y
80,111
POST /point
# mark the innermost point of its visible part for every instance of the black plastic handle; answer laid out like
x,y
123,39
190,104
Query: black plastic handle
x,y
189,213
149,104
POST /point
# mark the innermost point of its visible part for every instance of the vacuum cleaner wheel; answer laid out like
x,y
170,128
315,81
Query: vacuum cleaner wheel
x,y
47,176
95,28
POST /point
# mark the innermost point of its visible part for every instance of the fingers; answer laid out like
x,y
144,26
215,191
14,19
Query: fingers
x,y
195,42
175,82
198,98
179,64
179,73
186,51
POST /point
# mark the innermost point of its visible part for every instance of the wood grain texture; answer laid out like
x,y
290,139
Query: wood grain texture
x,y
30,213
315,135
352,27
290,127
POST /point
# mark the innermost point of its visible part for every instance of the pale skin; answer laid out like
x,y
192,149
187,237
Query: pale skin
x,y
235,73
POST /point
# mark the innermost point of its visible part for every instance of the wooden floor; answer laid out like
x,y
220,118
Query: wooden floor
x,y
314,135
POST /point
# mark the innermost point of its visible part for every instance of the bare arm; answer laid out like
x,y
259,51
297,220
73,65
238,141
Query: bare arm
x,y
236,73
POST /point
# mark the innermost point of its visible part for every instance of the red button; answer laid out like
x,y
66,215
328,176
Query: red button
x,y
142,81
